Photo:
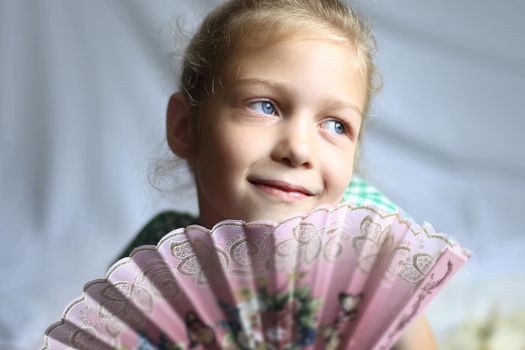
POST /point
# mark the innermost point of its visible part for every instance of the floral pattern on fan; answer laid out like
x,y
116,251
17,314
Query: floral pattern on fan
x,y
373,241
189,250
118,298
287,320
260,284
303,247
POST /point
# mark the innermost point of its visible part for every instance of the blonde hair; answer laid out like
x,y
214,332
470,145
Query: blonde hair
x,y
245,24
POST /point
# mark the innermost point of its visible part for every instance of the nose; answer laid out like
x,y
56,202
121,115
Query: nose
x,y
295,143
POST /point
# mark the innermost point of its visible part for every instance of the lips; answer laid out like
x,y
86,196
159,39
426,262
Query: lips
x,y
281,188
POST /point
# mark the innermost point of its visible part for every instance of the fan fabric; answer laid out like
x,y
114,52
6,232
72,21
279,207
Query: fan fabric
x,y
336,277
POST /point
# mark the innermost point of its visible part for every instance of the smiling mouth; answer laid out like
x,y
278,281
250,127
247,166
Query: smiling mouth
x,y
282,190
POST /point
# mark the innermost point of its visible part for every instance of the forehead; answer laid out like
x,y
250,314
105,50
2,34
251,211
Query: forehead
x,y
307,66
257,42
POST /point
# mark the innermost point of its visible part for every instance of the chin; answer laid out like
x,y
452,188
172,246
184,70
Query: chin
x,y
275,215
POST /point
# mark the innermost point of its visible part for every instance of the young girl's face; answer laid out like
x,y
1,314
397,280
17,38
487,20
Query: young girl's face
x,y
280,135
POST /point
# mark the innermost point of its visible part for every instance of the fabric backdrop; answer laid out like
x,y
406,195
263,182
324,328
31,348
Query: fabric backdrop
x,y
83,91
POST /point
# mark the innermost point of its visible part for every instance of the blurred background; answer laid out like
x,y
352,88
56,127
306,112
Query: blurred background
x,y
83,92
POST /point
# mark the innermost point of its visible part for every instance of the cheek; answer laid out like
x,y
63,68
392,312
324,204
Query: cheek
x,y
228,152
244,145
338,172
229,149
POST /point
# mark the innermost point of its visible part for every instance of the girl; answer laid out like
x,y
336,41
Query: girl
x,y
273,99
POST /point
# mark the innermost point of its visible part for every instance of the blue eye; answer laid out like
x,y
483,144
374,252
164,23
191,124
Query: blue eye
x,y
335,127
265,107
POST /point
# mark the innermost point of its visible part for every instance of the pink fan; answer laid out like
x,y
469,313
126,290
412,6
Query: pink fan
x,y
337,278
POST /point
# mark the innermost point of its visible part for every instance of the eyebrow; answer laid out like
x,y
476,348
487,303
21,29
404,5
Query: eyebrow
x,y
276,85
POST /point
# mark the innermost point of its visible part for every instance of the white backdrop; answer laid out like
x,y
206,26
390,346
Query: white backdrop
x,y
83,90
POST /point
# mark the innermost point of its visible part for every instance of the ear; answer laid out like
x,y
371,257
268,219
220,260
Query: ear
x,y
178,126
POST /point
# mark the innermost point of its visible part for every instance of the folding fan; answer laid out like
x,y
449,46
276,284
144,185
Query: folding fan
x,y
336,278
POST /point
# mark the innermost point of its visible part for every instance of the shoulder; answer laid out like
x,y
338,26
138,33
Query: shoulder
x,y
157,227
